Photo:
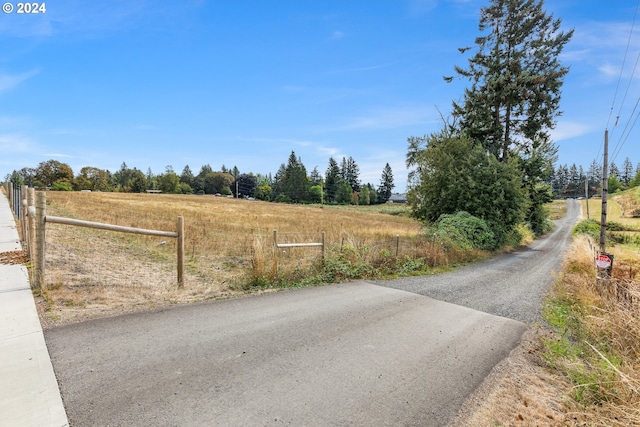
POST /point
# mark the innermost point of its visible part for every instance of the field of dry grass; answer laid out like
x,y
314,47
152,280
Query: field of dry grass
x,y
228,243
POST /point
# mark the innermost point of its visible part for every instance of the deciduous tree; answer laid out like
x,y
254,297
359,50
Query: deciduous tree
x,y
51,171
452,174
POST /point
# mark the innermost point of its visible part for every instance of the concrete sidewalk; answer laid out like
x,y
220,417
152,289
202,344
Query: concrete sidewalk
x,y
29,394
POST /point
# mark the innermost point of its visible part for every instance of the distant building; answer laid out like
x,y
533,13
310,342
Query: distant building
x,y
398,198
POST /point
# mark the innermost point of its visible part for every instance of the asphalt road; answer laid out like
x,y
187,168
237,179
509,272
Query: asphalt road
x,y
346,354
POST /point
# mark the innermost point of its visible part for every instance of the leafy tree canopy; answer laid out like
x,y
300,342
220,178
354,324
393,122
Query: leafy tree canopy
x,y
453,174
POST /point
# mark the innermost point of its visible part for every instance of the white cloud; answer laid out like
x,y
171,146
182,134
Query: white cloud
x,y
568,130
15,143
8,81
418,7
365,68
146,127
388,119
63,131
609,70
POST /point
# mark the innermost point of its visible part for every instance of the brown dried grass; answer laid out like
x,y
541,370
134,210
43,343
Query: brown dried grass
x,y
228,243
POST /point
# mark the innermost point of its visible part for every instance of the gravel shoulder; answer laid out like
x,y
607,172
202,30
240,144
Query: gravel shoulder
x,y
520,391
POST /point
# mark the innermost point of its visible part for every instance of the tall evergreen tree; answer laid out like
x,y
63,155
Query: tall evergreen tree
x,y
516,77
296,184
350,172
627,171
386,184
277,186
614,171
187,176
332,175
595,177
235,172
574,181
316,178
343,168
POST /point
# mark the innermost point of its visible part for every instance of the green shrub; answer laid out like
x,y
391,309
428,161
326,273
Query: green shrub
x,y
590,227
615,226
61,186
463,230
347,263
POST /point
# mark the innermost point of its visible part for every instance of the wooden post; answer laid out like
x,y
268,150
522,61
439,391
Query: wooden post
x,y
397,244
180,231
31,202
323,246
23,213
41,214
275,253
10,195
586,194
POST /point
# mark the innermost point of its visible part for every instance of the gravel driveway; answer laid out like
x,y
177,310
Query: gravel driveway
x,y
511,285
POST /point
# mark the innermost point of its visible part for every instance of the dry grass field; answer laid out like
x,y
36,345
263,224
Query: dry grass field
x,y
228,244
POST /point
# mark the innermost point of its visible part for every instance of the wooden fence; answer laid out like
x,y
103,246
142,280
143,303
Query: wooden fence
x,y
33,232
277,246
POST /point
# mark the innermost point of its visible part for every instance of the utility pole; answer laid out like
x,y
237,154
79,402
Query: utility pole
x,y
605,191
586,193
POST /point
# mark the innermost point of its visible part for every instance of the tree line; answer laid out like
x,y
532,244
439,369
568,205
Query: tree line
x,y
340,183
569,181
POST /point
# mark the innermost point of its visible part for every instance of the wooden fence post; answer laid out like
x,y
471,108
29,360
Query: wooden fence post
x,y
275,253
180,232
23,213
41,214
10,195
397,245
323,246
31,203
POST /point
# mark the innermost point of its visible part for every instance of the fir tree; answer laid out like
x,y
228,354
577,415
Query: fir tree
x,y
386,184
332,175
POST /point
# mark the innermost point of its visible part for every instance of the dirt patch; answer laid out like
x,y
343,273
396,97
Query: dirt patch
x,y
14,257
520,391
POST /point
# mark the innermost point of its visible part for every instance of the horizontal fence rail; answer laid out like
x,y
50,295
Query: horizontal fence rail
x,y
110,227
37,215
277,246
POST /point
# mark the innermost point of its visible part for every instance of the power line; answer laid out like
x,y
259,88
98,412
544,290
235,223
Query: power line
x,y
624,60
624,138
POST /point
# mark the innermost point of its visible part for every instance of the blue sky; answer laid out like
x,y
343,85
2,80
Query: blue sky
x,y
239,82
